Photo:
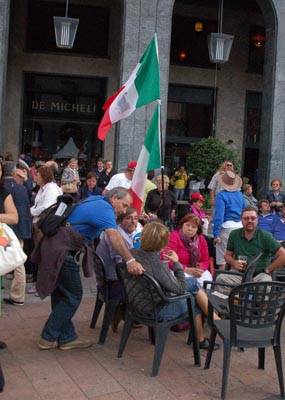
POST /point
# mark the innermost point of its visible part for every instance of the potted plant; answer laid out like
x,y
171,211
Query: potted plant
x,y
207,155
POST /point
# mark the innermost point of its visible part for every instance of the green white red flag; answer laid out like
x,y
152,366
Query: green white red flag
x,y
149,159
143,87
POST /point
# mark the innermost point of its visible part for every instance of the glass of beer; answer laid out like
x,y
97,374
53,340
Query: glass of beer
x,y
243,261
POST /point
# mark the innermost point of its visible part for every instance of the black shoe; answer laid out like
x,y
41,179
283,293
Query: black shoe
x,y
3,345
13,302
204,345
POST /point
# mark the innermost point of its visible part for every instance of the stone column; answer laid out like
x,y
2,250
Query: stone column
x,y
4,40
277,155
141,19
272,141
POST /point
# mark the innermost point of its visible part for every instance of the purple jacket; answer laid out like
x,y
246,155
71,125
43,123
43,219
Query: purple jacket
x,y
50,254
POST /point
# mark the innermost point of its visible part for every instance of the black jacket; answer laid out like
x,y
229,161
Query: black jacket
x,y
19,193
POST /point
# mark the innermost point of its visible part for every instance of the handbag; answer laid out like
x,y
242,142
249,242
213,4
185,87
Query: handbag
x,y
11,252
70,187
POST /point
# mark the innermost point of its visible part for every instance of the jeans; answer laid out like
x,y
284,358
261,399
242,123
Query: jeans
x,y
174,310
65,300
178,193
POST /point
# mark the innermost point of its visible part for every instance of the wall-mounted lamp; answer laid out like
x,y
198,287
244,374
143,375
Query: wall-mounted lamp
x,y
198,26
65,29
258,40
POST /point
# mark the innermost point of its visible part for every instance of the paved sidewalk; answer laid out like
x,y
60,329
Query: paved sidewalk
x,y
97,374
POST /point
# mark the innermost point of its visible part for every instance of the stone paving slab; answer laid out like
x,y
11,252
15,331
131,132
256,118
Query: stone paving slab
x,y
97,373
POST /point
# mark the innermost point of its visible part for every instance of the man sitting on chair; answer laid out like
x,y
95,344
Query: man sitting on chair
x,y
249,241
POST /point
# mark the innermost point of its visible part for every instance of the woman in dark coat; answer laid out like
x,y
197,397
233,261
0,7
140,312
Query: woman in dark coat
x,y
156,206
90,188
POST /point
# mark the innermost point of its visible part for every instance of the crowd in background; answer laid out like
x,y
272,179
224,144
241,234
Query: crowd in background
x,y
36,185
29,188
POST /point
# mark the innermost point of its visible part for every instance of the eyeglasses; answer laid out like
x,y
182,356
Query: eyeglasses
x,y
249,218
229,165
132,218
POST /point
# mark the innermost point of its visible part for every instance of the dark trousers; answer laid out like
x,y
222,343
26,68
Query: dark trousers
x,y
2,380
65,300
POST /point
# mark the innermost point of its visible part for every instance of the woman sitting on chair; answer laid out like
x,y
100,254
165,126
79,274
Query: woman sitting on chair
x,y
191,247
154,238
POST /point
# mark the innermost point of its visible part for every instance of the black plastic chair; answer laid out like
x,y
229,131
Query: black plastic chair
x,y
220,302
151,296
279,274
103,297
255,318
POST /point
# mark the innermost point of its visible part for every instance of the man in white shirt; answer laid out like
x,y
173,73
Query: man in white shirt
x,y
123,179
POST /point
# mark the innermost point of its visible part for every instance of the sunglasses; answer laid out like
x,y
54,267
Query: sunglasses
x,y
229,165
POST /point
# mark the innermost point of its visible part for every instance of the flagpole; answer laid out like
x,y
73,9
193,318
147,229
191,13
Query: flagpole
x,y
162,161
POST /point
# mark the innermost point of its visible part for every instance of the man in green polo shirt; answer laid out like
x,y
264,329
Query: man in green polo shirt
x,y
247,243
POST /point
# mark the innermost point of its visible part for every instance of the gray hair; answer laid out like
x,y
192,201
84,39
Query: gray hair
x,y
118,193
9,168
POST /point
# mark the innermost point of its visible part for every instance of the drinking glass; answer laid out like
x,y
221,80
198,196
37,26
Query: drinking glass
x,y
243,261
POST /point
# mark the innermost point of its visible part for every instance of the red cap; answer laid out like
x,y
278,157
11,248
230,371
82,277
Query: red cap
x,y
132,165
197,196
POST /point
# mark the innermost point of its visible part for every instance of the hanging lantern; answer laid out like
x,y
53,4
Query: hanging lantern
x,y
198,26
182,55
220,45
65,29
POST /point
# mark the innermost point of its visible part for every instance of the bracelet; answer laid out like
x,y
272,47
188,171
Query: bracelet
x,y
130,261
267,271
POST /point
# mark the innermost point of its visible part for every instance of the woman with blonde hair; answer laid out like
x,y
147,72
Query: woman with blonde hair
x,y
214,185
154,238
70,180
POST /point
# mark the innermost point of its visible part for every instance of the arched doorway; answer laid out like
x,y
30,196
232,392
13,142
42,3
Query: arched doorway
x,y
244,84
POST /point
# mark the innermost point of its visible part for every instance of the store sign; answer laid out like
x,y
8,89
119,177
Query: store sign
x,y
62,107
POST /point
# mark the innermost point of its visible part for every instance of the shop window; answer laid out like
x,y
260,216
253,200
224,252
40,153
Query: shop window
x,y
189,113
189,118
61,116
189,41
256,49
253,118
93,31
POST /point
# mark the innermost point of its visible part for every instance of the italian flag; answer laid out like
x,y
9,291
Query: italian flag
x,y
149,159
143,87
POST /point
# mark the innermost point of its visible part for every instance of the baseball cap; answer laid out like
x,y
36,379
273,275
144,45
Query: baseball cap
x,y
197,196
132,165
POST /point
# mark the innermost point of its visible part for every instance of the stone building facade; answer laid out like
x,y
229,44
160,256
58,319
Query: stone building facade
x,y
131,25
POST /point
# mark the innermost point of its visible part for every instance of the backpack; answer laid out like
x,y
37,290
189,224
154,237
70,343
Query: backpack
x,y
55,216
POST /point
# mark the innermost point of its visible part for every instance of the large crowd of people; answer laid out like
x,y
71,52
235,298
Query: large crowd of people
x,y
171,238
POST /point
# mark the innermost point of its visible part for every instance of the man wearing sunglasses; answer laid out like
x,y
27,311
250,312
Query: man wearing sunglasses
x,y
246,243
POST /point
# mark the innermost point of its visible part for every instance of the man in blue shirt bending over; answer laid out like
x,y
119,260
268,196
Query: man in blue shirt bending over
x,y
89,218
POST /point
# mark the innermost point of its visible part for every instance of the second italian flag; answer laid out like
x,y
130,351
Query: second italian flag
x,y
149,159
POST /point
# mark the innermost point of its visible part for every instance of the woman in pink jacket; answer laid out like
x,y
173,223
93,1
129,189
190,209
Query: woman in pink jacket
x,y
191,247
